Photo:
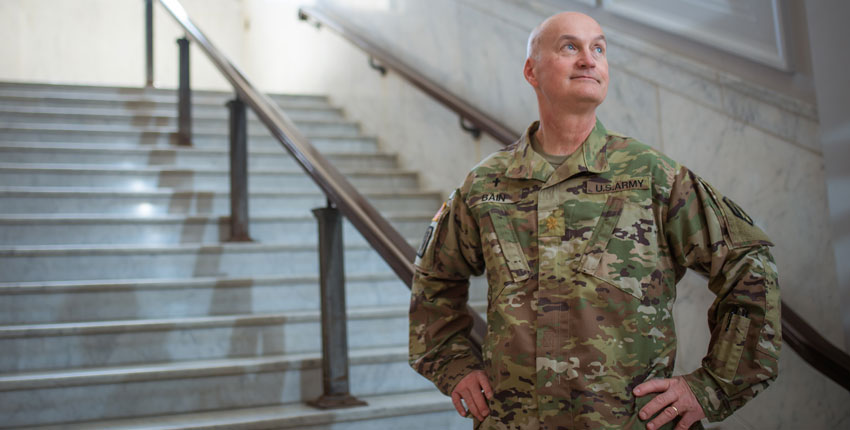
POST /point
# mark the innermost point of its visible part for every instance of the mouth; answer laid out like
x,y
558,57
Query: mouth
x,y
584,77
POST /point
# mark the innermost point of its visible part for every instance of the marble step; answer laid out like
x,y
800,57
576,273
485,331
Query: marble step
x,y
158,177
75,395
106,89
131,155
168,140
36,347
50,229
160,116
142,105
419,410
51,131
91,93
93,262
68,200
125,299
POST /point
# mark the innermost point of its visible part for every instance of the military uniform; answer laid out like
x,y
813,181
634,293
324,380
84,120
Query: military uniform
x,y
582,263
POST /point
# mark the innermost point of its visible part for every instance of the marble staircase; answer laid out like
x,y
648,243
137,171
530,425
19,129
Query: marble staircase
x,y
122,305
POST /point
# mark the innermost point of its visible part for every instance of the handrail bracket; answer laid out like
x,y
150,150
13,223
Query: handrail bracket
x,y
471,129
377,66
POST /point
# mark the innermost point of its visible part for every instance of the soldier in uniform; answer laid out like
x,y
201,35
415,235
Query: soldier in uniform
x,y
584,234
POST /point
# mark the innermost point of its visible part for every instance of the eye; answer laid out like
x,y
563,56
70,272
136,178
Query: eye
x,y
599,50
570,47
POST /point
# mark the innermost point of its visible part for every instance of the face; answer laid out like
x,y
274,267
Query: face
x,y
567,63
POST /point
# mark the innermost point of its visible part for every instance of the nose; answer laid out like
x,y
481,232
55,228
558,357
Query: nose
x,y
586,60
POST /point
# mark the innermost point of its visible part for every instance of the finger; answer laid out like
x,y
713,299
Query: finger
x,y
658,403
458,405
485,384
466,394
668,414
687,420
480,404
652,386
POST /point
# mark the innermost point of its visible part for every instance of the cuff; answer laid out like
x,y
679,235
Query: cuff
x,y
456,370
709,395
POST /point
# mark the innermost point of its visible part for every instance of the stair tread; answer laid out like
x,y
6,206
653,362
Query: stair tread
x,y
199,282
139,147
160,218
69,167
168,191
142,128
155,324
165,248
280,416
186,369
146,113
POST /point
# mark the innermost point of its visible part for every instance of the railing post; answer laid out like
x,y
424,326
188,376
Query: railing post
x,y
239,222
149,43
334,330
184,94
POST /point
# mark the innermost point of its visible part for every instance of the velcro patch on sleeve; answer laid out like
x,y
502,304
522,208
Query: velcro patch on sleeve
x,y
742,230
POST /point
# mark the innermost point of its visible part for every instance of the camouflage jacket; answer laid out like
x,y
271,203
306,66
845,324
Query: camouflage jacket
x,y
582,264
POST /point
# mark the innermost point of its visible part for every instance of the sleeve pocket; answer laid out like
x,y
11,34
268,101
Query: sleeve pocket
x,y
725,356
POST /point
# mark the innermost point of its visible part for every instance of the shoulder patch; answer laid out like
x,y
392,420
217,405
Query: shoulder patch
x,y
426,240
439,212
429,232
742,230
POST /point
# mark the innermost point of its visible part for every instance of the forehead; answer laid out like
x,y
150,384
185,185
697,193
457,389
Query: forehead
x,y
572,25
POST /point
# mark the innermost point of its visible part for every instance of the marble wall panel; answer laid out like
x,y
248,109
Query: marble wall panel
x,y
799,399
493,59
771,118
631,108
779,184
662,71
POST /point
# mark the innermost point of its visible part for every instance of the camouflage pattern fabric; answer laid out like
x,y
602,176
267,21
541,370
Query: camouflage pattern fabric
x,y
582,264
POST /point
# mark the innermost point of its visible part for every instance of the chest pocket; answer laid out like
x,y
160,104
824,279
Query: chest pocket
x,y
623,249
509,244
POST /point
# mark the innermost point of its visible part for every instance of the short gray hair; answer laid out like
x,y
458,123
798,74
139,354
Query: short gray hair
x,y
533,42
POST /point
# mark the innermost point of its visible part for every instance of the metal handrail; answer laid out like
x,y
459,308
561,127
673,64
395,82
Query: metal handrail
x,y
814,348
380,234
466,111
798,334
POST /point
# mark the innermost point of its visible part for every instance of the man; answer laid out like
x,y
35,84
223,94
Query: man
x,y
583,234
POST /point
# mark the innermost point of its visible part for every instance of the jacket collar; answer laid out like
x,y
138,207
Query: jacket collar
x,y
528,164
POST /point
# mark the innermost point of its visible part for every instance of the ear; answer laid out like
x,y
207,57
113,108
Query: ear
x,y
528,72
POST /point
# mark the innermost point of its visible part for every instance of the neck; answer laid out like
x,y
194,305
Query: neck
x,y
563,134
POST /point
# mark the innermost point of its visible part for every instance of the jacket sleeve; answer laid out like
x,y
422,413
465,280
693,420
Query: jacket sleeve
x,y
710,234
440,348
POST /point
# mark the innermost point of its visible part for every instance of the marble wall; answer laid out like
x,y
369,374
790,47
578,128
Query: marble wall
x,y
759,147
